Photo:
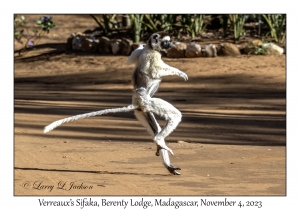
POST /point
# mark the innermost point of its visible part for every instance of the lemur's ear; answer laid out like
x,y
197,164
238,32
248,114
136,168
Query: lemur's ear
x,y
155,37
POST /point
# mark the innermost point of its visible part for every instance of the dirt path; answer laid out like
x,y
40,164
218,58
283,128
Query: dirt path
x,y
233,127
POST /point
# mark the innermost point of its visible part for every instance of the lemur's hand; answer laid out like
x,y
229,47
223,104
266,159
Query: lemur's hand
x,y
183,75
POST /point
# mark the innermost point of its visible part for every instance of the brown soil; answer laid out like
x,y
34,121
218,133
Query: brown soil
x,y
231,141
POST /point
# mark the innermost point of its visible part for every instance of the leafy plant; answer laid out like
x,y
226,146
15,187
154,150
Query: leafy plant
x,y
18,33
277,24
167,21
259,50
159,22
199,24
194,24
237,22
107,23
43,25
136,21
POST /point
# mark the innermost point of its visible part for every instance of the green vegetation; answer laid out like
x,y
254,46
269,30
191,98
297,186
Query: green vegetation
x,y
190,26
29,40
259,50
277,25
193,25
137,21
237,23
106,23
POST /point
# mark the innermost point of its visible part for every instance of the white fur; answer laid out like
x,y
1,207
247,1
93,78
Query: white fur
x,y
167,38
150,62
134,56
81,116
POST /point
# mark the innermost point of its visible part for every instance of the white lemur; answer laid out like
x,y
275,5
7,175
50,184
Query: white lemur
x,y
146,78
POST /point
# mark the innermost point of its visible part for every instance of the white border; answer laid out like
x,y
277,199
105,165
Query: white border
x,y
153,6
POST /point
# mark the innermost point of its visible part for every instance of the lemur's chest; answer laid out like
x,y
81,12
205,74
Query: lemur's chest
x,y
151,67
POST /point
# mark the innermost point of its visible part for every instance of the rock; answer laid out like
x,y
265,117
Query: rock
x,y
250,48
76,41
272,49
163,53
193,50
125,47
228,49
256,42
115,46
264,49
89,44
70,41
177,51
104,46
209,51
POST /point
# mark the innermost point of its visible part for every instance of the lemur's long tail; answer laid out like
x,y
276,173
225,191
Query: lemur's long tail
x,y
91,114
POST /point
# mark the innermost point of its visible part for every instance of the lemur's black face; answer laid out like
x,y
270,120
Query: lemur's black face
x,y
160,41
166,44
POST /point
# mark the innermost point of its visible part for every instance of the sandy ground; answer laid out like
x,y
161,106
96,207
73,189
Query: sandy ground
x,y
231,141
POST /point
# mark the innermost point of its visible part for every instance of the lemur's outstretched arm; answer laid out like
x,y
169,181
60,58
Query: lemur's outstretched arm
x,y
165,70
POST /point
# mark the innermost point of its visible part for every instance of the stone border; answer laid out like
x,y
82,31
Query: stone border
x,y
93,43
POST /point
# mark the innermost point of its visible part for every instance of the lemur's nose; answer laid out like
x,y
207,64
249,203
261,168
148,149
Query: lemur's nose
x,y
167,45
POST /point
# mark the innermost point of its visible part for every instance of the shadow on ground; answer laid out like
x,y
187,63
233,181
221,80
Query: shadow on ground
x,y
223,109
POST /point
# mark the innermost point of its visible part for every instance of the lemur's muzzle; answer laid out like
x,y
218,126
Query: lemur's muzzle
x,y
166,45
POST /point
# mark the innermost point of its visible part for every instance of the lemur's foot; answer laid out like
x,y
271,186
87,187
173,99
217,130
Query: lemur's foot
x,y
172,169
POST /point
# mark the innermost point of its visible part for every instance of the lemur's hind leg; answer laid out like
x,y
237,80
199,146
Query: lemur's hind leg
x,y
166,161
167,111
148,120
